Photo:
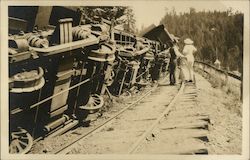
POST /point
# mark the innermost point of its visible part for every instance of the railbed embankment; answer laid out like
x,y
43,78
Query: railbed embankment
x,y
229,82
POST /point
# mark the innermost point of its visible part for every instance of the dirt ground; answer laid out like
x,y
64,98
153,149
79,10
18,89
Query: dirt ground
x,y
50,145
224,130
223,109
225,112
118,136
224,134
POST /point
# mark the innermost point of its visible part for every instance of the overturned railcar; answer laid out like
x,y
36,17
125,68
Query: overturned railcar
x,y
59,69
161,41
129,64
56,71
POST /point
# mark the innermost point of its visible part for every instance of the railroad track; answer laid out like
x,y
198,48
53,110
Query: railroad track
x,y
149,118
172,123
181,129
66,148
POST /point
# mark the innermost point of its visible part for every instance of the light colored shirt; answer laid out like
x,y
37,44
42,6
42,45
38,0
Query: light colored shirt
x,y
188,51
177,52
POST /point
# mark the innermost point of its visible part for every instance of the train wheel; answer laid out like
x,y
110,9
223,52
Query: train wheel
x,y
21,142
95,102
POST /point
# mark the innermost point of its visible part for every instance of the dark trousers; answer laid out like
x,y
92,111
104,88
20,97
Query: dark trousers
x,y
172,68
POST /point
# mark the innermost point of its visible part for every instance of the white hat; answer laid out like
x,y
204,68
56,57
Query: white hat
x,y
188,41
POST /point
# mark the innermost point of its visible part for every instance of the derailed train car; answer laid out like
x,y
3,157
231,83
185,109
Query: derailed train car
x,y
59,69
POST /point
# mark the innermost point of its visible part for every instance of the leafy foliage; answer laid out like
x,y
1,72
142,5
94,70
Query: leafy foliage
x,y
121,15
107,12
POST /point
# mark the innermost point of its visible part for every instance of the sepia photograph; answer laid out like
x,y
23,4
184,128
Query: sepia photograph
x,y
125,79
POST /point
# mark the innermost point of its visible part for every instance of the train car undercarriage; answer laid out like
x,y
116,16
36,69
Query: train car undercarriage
x,y
59,74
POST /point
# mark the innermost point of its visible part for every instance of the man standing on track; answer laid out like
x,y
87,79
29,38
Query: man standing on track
x,y
174,54
188,52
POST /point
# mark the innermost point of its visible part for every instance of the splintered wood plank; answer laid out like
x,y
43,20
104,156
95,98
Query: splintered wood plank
x,y
187,119
187,100
184,133
170,145
196,124
188,115
186,112
186,107
189,96
190,93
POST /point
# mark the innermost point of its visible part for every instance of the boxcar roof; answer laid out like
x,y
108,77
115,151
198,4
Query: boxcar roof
x,y
159,33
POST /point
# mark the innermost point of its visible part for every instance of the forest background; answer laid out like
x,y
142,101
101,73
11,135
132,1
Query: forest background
x,y
216,35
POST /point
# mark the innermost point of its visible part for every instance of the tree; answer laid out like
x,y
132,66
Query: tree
x,y
129,22
228,34
90,13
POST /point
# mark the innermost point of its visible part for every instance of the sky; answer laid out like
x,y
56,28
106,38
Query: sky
x,y
148,12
